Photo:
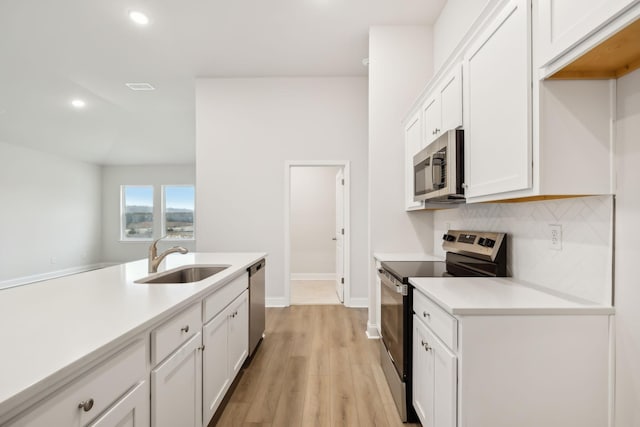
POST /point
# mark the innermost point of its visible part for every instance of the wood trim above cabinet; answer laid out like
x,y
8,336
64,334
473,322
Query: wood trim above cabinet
x,y
611,59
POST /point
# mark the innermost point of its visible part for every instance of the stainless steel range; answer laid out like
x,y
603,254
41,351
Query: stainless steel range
x,y
468,254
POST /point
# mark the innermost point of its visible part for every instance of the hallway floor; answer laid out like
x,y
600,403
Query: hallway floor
x,y
314,292
315,367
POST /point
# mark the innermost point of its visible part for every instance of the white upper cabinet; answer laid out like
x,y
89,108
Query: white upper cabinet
x,y
451,100
439,110
521,132
412,144
442,109
432,119
498,135
564,23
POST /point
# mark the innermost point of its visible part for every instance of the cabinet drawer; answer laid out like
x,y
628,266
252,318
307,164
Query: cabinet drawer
x,y
97,390
168,337
442,323
224,296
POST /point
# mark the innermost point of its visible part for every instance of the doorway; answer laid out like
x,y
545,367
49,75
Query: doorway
x,y
317,232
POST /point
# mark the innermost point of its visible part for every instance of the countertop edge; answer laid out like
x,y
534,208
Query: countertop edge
x,y
572,308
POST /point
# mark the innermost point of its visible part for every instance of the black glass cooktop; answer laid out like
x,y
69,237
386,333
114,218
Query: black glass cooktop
x,y
402,270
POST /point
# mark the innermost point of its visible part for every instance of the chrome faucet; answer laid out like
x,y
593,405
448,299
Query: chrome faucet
x,y
155,259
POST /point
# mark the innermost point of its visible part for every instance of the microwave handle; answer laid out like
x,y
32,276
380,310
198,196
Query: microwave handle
x,y
433,178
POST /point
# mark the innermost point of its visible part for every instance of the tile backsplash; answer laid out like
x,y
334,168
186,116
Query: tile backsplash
x,y
581,268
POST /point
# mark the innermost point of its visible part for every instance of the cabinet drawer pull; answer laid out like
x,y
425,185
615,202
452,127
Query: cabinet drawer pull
x,y
86,405
185,329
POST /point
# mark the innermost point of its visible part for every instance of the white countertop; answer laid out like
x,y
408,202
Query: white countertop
x,y
405,256
50,329
498,296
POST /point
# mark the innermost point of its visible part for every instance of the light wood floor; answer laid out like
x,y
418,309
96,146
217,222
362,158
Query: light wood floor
x,y
315,367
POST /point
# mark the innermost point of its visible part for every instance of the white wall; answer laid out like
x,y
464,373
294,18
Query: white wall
x,y
115,250
313,221
454,21
246,129
627,280
50,213
581,269
400,65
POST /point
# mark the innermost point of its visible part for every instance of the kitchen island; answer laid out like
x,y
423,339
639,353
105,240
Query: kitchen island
x,y
55,332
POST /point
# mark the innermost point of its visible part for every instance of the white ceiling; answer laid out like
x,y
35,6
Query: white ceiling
x,y
54,51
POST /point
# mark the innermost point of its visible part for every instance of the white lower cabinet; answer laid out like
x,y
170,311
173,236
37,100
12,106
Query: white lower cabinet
x,y
510,369
423,397
434,378
174,375
176,387
103,388
238,337
226,347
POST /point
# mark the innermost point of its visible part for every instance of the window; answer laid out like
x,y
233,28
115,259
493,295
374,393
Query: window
x,y
137,212
177,211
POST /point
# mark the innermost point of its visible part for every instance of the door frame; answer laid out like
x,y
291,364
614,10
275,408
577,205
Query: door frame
x,y
345,165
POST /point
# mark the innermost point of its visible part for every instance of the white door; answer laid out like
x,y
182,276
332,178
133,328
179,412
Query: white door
x,y
340,235
176,388
423,375
238,333
497,120
215,366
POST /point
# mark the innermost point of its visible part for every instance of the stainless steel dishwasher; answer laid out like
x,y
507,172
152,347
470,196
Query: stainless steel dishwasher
x,y
256,305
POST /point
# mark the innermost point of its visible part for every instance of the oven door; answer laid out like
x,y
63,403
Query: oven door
x,y
392,315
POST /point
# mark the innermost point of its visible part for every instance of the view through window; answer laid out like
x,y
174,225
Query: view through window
x,y
137,212
179,206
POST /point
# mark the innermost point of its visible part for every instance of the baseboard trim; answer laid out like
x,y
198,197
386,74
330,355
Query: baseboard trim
x,y
372,331
359,302
313,276
25,280
276,302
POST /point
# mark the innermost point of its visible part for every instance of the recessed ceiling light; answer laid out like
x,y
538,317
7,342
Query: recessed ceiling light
x,y
140,86
78,103
138,17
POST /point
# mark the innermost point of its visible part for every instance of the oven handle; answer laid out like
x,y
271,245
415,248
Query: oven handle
x,y
398,288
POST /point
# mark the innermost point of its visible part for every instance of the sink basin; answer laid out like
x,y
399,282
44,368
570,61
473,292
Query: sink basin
x,y
186,274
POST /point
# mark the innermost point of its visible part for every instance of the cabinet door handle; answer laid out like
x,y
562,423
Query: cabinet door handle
x,y
185,329
425,345
427,315
86,405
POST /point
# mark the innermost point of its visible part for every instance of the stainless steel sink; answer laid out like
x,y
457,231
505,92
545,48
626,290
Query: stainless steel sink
x,y
186,274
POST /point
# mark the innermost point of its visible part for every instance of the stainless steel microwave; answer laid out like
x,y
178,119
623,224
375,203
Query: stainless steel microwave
x,y
438,169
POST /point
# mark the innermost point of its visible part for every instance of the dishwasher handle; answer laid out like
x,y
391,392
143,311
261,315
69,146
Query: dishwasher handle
x,y
253,270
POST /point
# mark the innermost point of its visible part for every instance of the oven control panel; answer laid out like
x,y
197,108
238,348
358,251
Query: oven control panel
x,y
485,244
